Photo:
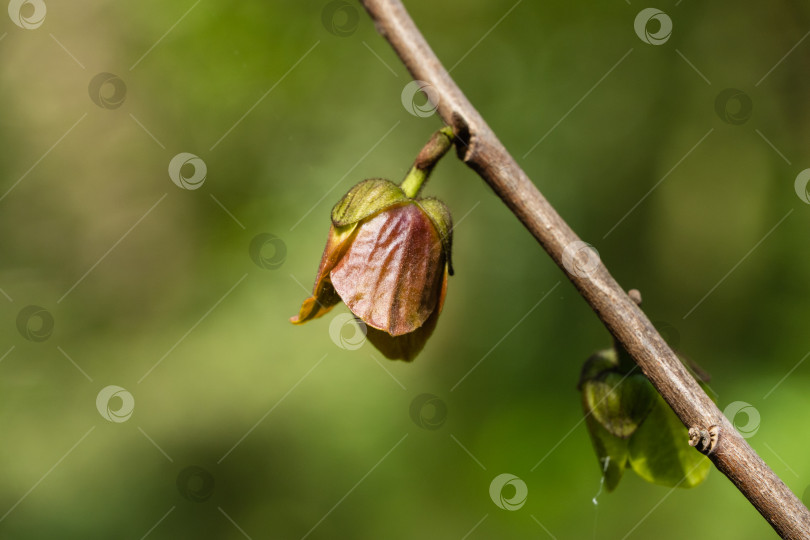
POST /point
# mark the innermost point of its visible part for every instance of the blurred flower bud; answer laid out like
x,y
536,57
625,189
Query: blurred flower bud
x,y
630,425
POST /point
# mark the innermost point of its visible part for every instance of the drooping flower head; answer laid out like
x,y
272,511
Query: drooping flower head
x,y
387,257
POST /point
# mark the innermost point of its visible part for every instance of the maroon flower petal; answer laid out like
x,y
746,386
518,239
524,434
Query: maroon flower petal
x,y
392,271
407,346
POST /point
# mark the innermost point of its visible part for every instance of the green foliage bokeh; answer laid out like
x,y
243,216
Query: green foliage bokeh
x,y
332,120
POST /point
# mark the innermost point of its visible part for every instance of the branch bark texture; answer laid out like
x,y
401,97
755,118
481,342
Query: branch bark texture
x,y
481,150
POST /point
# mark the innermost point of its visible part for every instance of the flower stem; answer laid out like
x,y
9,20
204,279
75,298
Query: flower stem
x,y
431,153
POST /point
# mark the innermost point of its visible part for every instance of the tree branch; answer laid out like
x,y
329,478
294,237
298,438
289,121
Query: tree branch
x,y
481,150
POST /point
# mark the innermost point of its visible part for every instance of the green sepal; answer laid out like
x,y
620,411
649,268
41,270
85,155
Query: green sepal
x,y
596,364
439,214
620,403
659,452
366,199
611,451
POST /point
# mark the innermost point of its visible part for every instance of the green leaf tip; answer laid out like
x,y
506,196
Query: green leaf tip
x,y
660,453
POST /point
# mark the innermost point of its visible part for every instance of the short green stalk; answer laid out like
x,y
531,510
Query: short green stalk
x,y
431,153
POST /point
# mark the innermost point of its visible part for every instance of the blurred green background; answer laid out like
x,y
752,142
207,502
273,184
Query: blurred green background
x,y
154,289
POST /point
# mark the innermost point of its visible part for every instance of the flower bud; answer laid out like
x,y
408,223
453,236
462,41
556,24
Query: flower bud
x,y
387,258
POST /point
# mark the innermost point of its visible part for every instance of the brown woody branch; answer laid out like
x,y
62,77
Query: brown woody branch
x,y
481,150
